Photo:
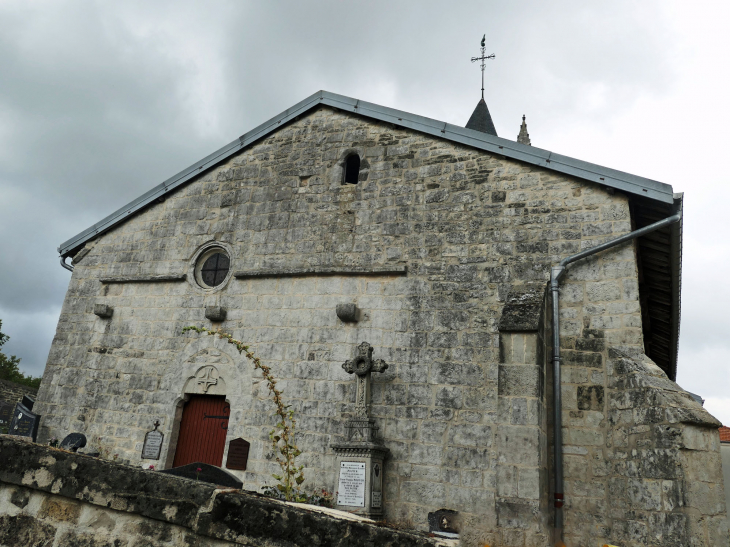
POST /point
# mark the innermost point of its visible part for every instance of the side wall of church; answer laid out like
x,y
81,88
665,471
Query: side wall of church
x,y
468,225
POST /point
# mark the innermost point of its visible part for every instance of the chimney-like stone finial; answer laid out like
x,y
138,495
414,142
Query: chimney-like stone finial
x,y
524,136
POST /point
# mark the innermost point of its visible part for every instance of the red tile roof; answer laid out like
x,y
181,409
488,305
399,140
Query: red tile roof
x,y
725,434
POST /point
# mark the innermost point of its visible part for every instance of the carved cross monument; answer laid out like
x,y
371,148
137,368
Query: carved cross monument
x,y
362,366
360,458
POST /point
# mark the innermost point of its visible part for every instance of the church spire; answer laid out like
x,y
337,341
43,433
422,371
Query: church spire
x,y
480,119
524,136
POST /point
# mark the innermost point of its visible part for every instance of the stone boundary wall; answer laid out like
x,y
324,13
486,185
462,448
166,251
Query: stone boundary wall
x,y
654,476
12,393
53,497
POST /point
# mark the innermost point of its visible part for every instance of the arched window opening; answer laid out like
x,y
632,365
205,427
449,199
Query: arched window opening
x,y
352,169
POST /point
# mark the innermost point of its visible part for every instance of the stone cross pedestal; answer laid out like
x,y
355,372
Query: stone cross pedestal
x,y
360,458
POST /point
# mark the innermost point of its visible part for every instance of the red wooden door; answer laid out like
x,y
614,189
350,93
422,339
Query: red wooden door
x,y
203,430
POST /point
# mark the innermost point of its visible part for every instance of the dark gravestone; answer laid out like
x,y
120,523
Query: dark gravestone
x,y
73,442
208,473
238,454
28,401
152,445
444,521
23,422
6,414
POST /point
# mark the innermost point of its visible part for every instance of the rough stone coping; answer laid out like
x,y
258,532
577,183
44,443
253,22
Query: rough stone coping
x,y
220,513
143,278
323,270
522,308
637,372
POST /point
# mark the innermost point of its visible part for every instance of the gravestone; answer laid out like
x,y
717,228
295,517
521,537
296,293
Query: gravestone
x,y
208,473
238,454
73,442
23,422
360,458
152,444
445,522
6,414
28,401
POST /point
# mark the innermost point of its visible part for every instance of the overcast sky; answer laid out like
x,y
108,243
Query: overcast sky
x,y
101,101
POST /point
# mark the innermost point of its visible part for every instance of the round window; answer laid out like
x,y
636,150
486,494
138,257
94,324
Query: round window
x,y
212,268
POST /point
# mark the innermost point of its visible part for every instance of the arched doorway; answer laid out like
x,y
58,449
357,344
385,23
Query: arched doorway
x,y
203,429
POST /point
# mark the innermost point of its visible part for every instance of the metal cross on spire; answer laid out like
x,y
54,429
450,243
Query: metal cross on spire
x,y
483,58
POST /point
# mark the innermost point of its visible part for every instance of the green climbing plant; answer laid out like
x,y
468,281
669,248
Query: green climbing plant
x,y
283,435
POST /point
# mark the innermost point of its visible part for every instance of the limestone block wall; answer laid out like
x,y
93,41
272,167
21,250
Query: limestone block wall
x,y
653,475
467,226
725,454
522,474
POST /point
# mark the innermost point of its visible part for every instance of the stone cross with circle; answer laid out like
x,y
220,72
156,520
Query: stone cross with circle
x,y
362,366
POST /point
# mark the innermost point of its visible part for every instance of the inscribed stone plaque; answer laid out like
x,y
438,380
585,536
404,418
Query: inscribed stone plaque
x,y
152,445
238,454
24,423
351,490
377,486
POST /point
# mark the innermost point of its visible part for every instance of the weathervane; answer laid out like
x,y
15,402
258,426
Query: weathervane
x,y
482,59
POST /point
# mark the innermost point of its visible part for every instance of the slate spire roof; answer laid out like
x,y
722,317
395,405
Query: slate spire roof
x,y
481,120
524,136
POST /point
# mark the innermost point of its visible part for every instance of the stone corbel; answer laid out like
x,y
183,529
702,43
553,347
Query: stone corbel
x,y
348,312
104,311
215,313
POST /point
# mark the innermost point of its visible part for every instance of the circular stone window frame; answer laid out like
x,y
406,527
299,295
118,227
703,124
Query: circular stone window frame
x,y
196,265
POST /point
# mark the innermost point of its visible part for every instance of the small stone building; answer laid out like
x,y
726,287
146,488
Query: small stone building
x,y
443,238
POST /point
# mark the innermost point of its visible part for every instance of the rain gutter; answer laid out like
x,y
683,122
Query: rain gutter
x,y
556,275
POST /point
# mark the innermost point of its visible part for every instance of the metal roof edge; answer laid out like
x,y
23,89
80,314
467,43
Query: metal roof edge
x,y
675,256
476,139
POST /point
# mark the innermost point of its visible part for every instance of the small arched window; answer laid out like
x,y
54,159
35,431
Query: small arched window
x,y
352,169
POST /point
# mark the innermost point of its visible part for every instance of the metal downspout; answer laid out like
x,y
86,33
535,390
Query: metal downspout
x,y
556,273
63,263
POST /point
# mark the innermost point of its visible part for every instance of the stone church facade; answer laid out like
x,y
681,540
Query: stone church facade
x,y
445,244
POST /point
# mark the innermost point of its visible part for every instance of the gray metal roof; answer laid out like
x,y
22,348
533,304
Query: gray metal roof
x,y
483,141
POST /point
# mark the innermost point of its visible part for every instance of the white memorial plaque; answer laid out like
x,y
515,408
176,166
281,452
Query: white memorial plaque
x,y
351,490
152,445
